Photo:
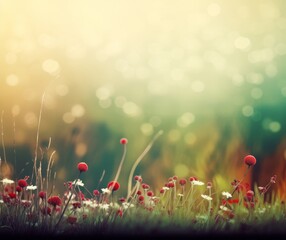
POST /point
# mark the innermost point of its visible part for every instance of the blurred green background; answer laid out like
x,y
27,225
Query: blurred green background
x,y
210,74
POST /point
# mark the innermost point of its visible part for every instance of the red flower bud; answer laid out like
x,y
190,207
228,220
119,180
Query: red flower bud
x,y
249,160
82,167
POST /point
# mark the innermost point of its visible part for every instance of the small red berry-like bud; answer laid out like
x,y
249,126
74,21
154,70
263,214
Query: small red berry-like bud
x,y
138,178
139,192
150,194
141,198
18,189
71,219
46,210
193,179
182,181
249,194
171,185
209,185
175,178
22,183
122,199
119,213
55,201
76,205
249,160
123,141
82,167
12,195
145,186
162,191
96,192
42,194
113,186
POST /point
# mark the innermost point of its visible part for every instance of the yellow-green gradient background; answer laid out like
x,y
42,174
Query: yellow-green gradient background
x,y
209,73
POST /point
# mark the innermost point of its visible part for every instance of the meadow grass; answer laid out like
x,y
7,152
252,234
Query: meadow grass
x,y
182,206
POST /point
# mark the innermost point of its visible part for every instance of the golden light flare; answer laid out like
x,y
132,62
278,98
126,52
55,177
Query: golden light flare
x,y
209,73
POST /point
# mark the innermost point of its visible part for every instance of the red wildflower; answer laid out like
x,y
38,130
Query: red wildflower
x,y
123,141
175,178
55,201
96,192
138,178
26,204
150,194
46,210
182,181
42,194
22,183
141,198
249,160
18,189
119,213
233,201
193,179
71,219
76,205
145,186
82,167
6,199
81,195
113,186
171,185
249,195
12,195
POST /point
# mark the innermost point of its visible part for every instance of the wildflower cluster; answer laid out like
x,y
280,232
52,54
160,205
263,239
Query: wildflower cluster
x,y
188,198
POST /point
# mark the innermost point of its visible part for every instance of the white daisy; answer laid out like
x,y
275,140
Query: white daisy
x,y
226,194
104,206
89,203
105,190
207,197
165,188
78,182
31,187
126,205
7,181
198,183
224,208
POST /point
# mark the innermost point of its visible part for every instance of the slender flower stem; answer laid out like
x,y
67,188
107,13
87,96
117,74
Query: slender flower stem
x,y
65,208
138,160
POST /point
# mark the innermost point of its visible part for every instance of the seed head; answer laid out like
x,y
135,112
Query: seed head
x,y
145,186
22,183
113,186
249,160
141,198
150,194
82,167
182,181
96,192
138,178
123,141
42,194
71,219
55,201
46,210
